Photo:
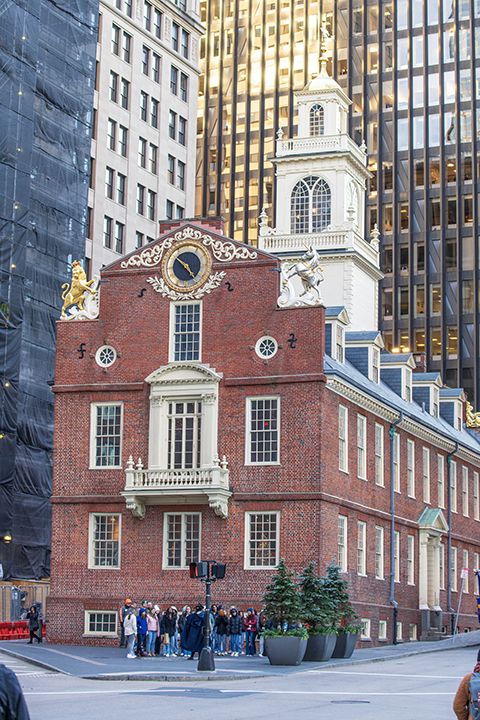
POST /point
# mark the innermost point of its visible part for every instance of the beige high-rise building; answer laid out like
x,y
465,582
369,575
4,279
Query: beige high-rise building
x,y
145,105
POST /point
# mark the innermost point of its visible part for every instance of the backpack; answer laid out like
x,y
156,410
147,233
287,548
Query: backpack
x,y
474,688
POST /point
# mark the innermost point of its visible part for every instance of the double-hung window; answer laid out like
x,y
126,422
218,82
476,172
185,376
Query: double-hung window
x,y
396,558
361,548
362,447
143,106
104,540
426,475
151,204
119,237
183,87
182,130
113,87
342,538
410,468
175,35
126,46
465,500
379,455
453,485
156,67
106,435
262,540
184,434
172,124
263,430
396,462
180,175
107,231
343,438
174,80
154,113
411,559
121,185
115,45
441,480
476,499
157,23
124,93
379,553
142,152
181,544
145,60
140,199
186,338
185,43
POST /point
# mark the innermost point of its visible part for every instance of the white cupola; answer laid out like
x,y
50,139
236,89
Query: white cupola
x,y
321,178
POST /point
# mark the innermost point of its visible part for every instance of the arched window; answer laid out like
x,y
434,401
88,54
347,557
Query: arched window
x,y
311,205
317,120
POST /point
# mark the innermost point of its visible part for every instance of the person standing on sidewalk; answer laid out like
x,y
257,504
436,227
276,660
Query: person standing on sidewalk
x,y
466,704
34,625
12,702
235,626
250,627
130,628
126,608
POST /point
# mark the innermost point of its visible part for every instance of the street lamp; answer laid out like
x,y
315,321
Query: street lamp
x,y
207,571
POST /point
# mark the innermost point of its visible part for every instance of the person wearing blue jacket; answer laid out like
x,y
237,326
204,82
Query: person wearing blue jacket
x,y
193,636
141,632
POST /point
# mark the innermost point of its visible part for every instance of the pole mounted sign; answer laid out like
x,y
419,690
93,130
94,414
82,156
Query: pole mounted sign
x,y
207,571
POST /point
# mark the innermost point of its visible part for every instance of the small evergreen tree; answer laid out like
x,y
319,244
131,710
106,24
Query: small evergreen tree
x,y
336,588
281,599
318,605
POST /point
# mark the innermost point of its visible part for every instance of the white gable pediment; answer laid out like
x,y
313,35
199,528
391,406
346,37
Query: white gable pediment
x,y
179,373
433,519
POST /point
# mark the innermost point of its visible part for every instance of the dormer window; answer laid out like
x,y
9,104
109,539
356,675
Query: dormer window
x,y
339,343
375,365
317,120
407,384
435,402
311,205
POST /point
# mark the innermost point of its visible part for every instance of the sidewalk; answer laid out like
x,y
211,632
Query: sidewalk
x,y
110,663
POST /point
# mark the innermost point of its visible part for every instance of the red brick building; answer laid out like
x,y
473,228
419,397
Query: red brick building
x,y
217,427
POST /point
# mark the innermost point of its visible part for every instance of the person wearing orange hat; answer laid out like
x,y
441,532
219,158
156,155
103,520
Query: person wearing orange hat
x,y
126,608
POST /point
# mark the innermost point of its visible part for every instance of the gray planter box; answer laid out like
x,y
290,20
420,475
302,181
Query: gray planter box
x,y
285,650
345,645
320,648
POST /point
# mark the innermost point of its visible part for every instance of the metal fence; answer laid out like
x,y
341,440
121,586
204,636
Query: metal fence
x,y
17,598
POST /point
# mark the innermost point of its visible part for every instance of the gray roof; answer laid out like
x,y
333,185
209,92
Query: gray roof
x,y
381,392
367,335
447,392
426,376
394,358
334,311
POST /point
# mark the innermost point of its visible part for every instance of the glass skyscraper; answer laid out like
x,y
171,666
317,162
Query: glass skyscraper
x,y
47,70
412,70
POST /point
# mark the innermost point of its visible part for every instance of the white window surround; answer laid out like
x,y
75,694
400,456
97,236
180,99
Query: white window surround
x,y
399,631
379,455
248,409
410,468
379,553
382,630
171,344
93,435
247,540
426,474
342,543
99,633
365,631
91,554
374,364
343,438
361,548
182,381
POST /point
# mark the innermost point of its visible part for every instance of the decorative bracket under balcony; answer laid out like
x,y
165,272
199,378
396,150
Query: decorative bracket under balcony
x,y
178,486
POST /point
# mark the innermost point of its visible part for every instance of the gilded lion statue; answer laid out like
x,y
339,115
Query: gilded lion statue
x,y
75,292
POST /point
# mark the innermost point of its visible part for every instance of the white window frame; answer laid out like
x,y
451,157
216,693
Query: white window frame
x,y
396,462
91,541
399,631
171,354
365,631
465,493
453,569
412,632
476,561
465,564
93,436
183,564
248,416
339,341
343,438
379,455
410,559
453,486
476,496
441,480
407,384
379,552
247,539
382,630
362,447
90,633
396,559
442,566
375,364
362,548
410,468
342,548
426,474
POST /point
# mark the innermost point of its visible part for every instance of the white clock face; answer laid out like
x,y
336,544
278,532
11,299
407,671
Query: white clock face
x,y
186,266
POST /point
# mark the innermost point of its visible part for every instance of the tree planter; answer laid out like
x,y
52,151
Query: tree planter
x,y
345,645
320,648
286,650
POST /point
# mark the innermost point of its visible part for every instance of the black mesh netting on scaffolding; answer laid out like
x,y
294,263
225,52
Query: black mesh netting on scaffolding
x,y
47,74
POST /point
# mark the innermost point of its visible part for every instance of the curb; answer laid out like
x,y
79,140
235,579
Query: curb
x,y
175,678
34,661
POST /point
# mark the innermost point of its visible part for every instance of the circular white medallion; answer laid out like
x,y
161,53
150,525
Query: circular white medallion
x,y
266,347
105,356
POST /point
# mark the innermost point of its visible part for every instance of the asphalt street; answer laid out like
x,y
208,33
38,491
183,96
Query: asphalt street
x,y
419,686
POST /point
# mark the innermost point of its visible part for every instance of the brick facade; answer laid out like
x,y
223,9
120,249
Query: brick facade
x,y
306,486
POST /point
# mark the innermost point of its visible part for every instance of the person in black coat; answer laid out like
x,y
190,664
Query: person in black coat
x,y
12,702
192,637
34,625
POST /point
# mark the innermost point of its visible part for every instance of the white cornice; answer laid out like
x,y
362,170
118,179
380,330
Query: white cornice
x,y
340,387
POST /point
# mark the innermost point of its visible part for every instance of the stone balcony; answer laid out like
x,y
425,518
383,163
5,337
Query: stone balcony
x,y
206,485
344,239
321,144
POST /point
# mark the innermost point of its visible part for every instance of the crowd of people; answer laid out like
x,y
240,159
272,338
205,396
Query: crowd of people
x,y
147,631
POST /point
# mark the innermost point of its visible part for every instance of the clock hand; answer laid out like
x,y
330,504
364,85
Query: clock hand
x,y
186,266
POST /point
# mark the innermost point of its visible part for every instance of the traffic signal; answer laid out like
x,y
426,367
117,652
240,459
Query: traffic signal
x,y
218,570
198,569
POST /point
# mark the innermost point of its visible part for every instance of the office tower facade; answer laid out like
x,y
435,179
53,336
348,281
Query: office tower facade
x,y
47,63
412,71
143,146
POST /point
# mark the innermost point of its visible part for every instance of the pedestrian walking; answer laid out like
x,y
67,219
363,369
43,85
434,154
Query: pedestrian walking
x,y
34,625
12,702
130,629
466,704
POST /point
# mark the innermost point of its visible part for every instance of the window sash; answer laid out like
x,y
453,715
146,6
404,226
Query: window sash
x,y
396,563
343,438
379,553
465,498
263,430
186,332
410,468
379,455
101,622
262,540
107,433
396,462
476,497
362,447
453,485
182,536
361,548
342,539
184,434
105,533
441,480
453,568
411,559
426,475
